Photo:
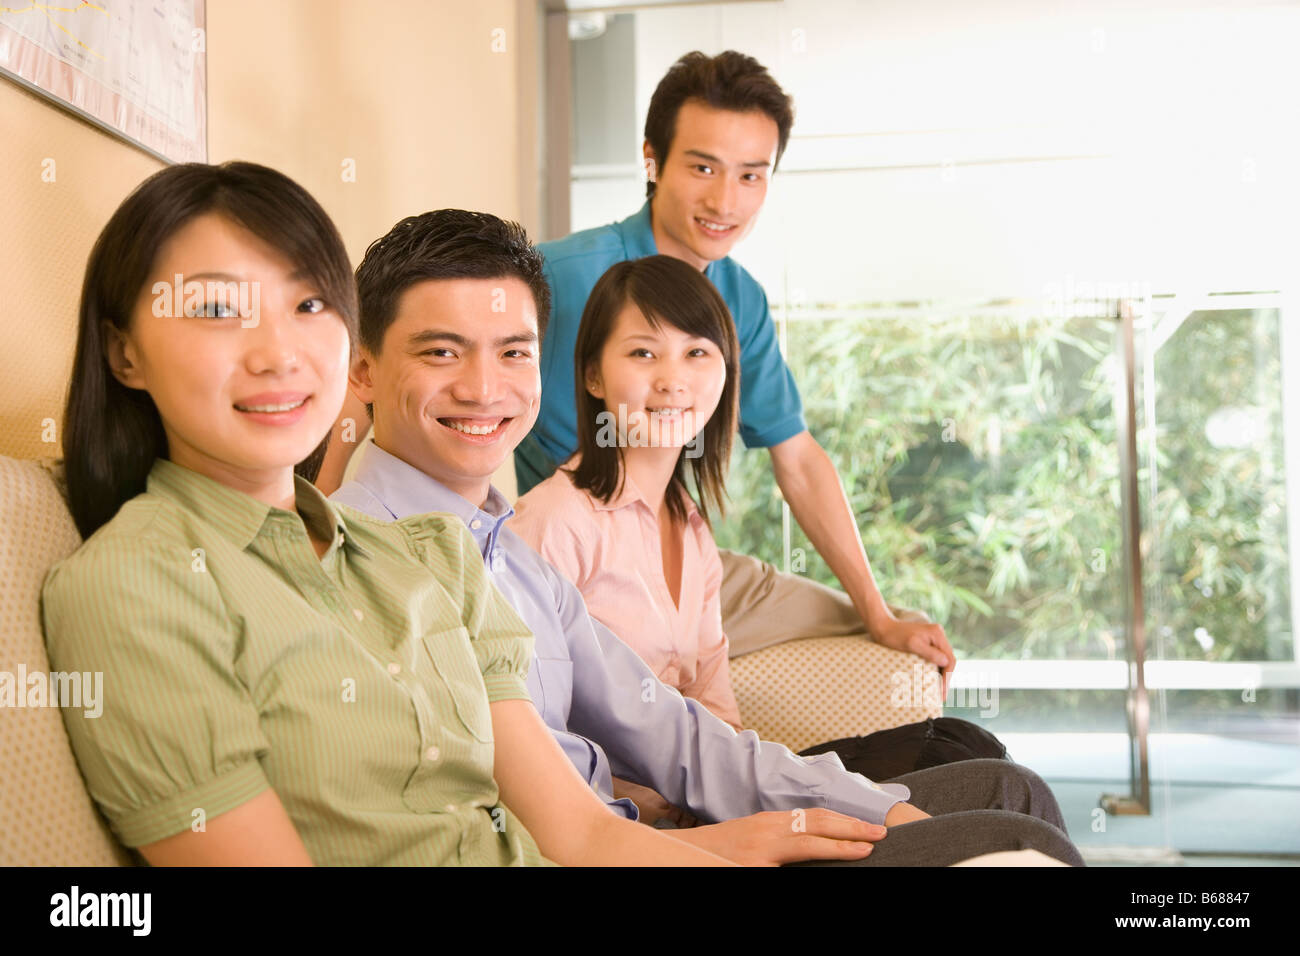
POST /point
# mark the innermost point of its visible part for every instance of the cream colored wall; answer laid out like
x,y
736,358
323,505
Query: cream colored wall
x,y
412,92
62,179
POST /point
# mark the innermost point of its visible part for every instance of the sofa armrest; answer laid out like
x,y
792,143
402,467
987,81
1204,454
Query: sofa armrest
x,y
47,818
814,689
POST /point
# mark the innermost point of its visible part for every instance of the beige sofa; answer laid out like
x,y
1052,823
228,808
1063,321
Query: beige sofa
x,y
799,693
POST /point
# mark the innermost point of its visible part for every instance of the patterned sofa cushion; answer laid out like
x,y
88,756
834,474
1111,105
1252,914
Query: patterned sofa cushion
x,y
814,689
46,816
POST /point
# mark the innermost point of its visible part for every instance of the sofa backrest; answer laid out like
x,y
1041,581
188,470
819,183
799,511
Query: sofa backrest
x,y
46,816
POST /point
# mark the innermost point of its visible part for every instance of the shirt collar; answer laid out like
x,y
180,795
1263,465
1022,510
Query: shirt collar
x,y
629,494
639,238
638,234
406,490
239,516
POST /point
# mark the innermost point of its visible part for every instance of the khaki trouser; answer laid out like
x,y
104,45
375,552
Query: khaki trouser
x,y
762,606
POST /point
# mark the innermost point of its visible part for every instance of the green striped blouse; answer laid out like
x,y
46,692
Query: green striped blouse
x,y
234,659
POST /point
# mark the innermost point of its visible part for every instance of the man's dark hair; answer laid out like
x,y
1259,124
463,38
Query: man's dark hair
x,y
444,244
728,81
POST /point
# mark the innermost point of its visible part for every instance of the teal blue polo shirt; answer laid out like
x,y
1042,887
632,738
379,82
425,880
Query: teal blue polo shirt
x,y
770,408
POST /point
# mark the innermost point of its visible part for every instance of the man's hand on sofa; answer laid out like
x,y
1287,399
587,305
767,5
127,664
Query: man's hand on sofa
x,y
787,836
901,813
922,638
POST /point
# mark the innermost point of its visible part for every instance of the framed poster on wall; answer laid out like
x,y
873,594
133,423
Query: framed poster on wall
x,y
136,68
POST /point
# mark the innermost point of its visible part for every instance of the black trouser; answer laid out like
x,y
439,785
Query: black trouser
x,y
928,743
975,807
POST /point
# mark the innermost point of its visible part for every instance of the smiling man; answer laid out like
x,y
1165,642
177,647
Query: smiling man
x,y
452,307
714,133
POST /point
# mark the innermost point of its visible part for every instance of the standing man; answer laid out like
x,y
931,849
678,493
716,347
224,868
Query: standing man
x,y
714,133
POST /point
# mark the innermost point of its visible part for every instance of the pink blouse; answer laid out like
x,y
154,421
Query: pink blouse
x,y
612,552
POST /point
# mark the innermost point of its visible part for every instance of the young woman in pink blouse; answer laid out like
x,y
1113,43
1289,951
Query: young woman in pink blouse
x,y
657,397
656,361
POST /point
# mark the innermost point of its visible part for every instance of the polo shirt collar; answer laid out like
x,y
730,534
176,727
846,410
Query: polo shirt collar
x,y
639,238
638,234
241,517
406,490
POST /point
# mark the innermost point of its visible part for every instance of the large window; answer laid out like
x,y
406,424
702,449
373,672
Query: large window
x,y
968,194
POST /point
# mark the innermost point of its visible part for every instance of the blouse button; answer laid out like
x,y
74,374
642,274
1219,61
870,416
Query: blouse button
x,y
356,612
476,524
394,669
432,754
450,808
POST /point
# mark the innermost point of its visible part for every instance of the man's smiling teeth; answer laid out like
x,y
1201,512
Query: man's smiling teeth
x,y
471,429
287,406
713,226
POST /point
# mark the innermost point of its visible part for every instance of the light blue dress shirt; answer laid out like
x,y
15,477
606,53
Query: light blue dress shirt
x,y
608,711
770,408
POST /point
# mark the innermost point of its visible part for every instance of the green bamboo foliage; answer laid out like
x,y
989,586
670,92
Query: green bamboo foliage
x,y
979,452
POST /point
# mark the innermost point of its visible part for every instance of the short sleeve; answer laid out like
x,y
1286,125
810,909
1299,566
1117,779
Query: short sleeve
x,y
502,642
770,407
177,737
